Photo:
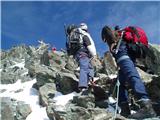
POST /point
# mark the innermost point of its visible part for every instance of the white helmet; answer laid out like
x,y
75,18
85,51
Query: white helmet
x,y
84,26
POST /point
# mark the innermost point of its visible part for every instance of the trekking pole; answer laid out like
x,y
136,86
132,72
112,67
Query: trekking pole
x,y
119,42
118,83
115,113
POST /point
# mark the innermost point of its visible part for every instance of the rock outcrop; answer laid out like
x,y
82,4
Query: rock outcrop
x,y
56,72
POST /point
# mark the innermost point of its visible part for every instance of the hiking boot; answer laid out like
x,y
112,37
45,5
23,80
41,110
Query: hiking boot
x,y
146,111
84,91
125,109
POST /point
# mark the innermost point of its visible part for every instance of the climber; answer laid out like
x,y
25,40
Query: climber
x,y
128,73
82,47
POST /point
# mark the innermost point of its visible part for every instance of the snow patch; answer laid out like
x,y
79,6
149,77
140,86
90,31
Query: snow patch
x,y
20,65
112,76
27,94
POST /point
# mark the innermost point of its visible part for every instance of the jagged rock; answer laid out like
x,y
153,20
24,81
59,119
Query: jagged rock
x,y
102,81
10,74
44,75
14,110
46,92
109,64
145,76
22,111
152,60
63,76
96,63
3,54
8,78
153,87
86,101
102,114
67,82
44,59
80,113
71,63
18,52
99,93
7,113
56,60
31,64
51,113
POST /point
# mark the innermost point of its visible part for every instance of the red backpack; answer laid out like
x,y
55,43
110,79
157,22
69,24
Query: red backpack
x,y
137,35
137,41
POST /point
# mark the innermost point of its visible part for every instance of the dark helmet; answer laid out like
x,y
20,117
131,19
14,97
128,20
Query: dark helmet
x,y
107,35
70,28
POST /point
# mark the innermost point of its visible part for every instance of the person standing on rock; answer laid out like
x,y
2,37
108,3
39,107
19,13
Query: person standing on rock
x,y
127,73
82,47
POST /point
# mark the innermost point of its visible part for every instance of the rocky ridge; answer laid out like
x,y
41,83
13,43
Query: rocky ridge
x,y
54,72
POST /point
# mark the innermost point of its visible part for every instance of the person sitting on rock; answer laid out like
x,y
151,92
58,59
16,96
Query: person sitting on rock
x,y
127,73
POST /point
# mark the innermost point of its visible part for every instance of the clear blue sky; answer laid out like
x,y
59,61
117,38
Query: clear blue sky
x,y
27,22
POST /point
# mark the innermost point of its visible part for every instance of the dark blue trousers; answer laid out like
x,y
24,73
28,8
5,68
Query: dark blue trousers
x,y
86,69
128,73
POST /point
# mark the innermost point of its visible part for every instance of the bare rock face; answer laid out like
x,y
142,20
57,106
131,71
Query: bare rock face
x,y
146,77
58,73
71,64
153,87
67,82
109,64
14,110
152,61
46,92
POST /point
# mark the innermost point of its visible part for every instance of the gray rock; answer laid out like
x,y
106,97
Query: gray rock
x,y
67,82
8,78
7,113
44,59
23,110
110,66
71,63
145,76
86,101
45,75
97,65
153,87
57,60
13,110
152,60
46,92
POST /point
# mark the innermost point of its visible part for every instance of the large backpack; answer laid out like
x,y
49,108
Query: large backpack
x,y
138,46
75,41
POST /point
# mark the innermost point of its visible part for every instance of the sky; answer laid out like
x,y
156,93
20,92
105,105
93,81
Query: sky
x,y
30,21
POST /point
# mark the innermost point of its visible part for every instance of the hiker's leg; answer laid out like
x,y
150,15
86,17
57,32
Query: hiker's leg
x,y
83,80
123,93
132,76
90,71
